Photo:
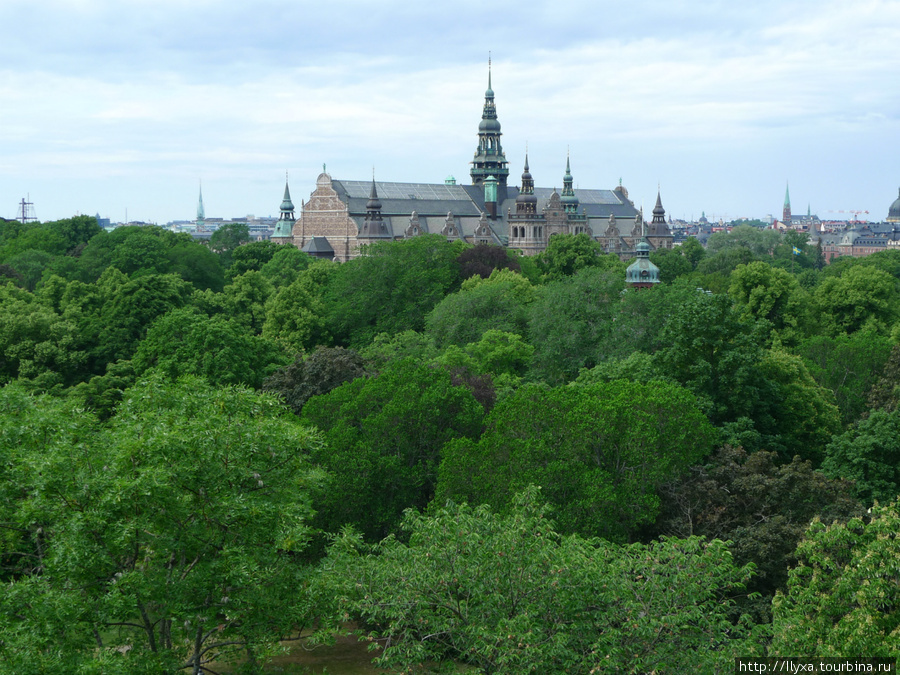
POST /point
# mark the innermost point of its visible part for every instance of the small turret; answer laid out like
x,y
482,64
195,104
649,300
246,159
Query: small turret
x,y
568,198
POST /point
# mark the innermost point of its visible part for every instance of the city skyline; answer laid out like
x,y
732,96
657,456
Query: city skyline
x,y
111,107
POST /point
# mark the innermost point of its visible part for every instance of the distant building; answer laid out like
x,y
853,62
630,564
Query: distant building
x,y
349,214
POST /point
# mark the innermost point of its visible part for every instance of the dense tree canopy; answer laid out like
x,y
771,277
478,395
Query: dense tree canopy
x,y
163,542
598,452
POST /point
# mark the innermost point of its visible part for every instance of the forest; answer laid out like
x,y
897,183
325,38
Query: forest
x,y
476,461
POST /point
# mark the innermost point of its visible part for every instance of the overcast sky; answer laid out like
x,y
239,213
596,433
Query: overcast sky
x,y
127,105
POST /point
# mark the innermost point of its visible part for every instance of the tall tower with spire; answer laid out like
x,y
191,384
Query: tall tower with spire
x,y
201,214
786,215
284,229
489,157
568,198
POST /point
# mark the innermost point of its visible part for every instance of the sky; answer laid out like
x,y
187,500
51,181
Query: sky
x,y
124,108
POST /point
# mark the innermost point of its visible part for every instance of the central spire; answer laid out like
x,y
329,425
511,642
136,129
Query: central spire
x,y
489,157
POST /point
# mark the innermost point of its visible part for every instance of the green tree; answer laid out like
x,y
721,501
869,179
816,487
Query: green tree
x,y
390,288
508,594
35,342
849,366
185,342
566,254
758,242
843,598
765,292
598,452
868,454
862,297
500,302
285,265
246,297
383,439
228,238
296,315
254,256
671,264
715,354
161,543
570,321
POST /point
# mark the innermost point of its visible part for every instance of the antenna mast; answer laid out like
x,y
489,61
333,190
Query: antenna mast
x,y
26,211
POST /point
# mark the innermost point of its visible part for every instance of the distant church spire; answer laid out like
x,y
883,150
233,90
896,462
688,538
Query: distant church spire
x,y
201,214
489,157
373,225
786,215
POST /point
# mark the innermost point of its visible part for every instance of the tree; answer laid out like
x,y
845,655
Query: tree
x,y
296,315
849,366
509,594
765,292
221,350
715,354
253,256
569,322
383,439
671,264
843,598
285,265
868,454
862,297
161,543
35,341
483,259
760,505
246,297
315,374
758,242
598,452
391,288
500,302
227,238
566,254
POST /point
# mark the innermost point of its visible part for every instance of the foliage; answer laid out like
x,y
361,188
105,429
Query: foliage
x,y
314,374
483,259
759,505
511,595
253,256
284,266
295,314
597,451
383,439
885,393
765,292
848,365
185,342
868,454
843,598
567,254
406,344
671,263
714,353
227,238
246,297
500,302
758,242
159,544
569,322
35,340
862,297
391,288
